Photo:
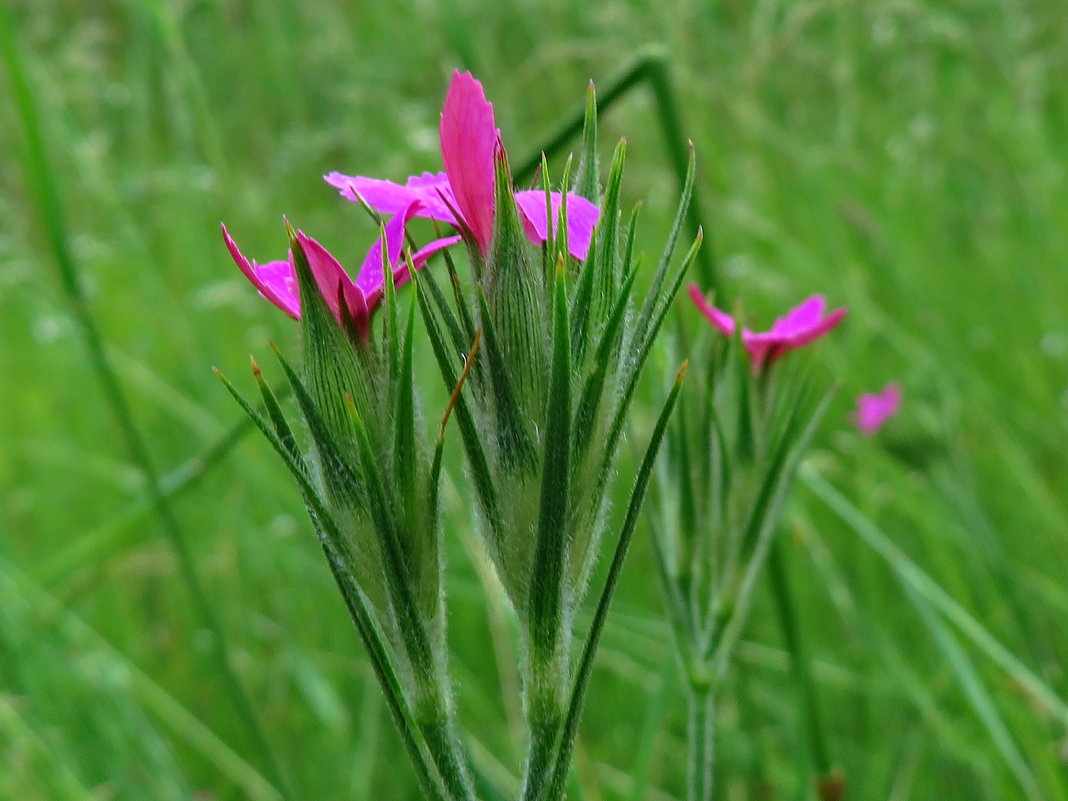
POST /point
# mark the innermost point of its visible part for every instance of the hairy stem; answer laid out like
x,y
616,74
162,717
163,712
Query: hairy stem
x,y
700,739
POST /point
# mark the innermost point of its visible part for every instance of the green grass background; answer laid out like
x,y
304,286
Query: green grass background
x,y
907,159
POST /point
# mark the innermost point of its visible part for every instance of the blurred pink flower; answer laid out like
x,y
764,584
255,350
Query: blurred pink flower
x,y
277,280
796,328
875,408
463,195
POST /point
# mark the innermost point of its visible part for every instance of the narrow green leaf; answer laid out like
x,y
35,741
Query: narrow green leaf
x,y
517,444
278,419
566,739
474,449
560,238
550,249
463,304
341,478
610,268
926,588
458,330
593,390
404,445
978,696
648,330
762,526
690,569
653,300
550,553
391,312
330,537
582,299
630,381
587,180
397,557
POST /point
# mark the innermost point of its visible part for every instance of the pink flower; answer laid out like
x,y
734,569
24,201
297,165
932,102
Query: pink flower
x,y
277,280
874,409
797,328
464,194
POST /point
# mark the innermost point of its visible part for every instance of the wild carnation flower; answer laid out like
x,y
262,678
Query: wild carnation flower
x,y
561,338
277,280
463,195
874,409
795,329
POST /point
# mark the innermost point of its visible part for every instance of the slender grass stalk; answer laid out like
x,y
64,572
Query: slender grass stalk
x,y
928,591
76,634
43,182
112,534
652,726
799,659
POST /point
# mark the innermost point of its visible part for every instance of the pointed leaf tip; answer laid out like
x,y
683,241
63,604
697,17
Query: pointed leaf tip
x,y
681,375
256,371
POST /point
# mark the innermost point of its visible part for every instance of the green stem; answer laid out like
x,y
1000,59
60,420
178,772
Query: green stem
x,y
440,735
700,741
431,707
546,683
799,660
651,729
565,742
42,179
650,67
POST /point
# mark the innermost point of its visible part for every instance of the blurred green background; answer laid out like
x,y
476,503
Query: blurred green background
x,y
907,159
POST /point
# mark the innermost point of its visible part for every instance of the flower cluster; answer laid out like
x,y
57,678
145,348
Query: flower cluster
x,y
732,454
550,310
465,194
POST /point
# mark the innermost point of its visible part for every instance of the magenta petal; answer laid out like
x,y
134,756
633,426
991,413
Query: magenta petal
x,y
371,278
280,283
723,322
401,274
762,347
275,280
800,326
422,256
582,217
386,197
874,409
469,139
797,327
330,277
800,318
818,329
